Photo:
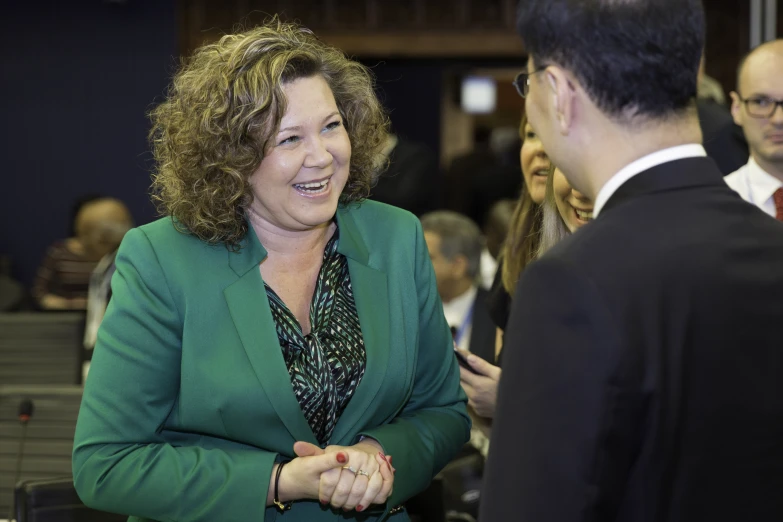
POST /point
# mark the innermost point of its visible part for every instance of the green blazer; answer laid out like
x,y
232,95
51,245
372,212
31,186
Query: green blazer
x,y
188,403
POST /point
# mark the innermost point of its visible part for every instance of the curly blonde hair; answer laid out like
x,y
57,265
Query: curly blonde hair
x,y
223,108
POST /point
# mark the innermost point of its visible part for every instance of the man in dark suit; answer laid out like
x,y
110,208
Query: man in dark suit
x,y
723,139
455,244
643,379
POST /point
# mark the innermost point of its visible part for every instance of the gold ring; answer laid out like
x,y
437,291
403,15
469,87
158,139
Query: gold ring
x,y
351,469
362,472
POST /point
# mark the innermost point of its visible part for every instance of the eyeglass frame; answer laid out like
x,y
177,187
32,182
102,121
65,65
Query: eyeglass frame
x,y
775,104
522,81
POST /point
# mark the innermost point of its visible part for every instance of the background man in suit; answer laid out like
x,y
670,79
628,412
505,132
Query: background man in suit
x,y
649,383
755,108
723,139
455,245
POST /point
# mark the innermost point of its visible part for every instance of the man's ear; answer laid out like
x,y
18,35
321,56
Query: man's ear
x,y
563,96
736,107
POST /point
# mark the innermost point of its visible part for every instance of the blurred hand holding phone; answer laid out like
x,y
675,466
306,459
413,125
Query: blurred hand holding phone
x,y
462,359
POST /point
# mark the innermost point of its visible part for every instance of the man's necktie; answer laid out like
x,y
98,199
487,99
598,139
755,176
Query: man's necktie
x,y
778,198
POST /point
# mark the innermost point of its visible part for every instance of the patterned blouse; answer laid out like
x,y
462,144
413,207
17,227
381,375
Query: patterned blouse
x,y
326,365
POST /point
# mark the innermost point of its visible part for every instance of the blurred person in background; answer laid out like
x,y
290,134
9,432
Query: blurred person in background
x,y
722,138
455,244
519,249
524,229
757,106
99,291
277,338
495,232
563,211
63,279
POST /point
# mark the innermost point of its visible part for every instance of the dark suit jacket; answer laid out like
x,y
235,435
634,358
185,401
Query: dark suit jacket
x,y
482,330
723,139
650,386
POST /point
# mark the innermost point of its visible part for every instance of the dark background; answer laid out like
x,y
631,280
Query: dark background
x,y
79,77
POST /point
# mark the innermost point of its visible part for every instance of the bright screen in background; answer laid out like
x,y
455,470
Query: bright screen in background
x,y
478,94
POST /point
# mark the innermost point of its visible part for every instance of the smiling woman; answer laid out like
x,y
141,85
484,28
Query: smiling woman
x,y
564,211
255,357
299,181
224,114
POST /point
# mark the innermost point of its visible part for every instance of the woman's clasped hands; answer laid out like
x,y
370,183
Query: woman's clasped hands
x,y
347,477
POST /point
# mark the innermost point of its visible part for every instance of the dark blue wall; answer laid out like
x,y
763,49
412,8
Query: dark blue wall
x,y
411,90
78,79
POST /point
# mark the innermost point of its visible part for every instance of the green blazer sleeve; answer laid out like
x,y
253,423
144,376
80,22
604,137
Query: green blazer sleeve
x,y
434,424
121,461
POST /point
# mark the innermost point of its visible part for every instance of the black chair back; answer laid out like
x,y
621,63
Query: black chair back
x,y
55,500
49,439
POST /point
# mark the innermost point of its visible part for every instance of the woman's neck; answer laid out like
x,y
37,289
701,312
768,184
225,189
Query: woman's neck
x,y
290,243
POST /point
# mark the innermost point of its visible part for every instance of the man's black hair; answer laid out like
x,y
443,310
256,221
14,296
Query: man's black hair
x,y
632,57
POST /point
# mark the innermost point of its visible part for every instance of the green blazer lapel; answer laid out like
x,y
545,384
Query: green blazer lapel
x,y
249,308
372,303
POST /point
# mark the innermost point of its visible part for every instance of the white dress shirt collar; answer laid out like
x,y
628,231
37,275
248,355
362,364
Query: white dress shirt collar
x,y
642,164
456,312
761,184
456,309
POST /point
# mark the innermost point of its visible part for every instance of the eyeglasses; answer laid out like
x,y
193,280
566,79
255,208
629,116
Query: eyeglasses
x,y
761,107
522,82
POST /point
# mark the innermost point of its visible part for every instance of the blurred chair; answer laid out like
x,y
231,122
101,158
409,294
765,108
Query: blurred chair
x,y
428,505
12,294
55,500
41,348
49,440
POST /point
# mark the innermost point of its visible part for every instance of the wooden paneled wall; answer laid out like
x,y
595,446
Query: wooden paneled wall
x,y
431,28
381,28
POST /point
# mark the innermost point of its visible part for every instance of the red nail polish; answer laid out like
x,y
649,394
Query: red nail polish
x,y
324,502
390,459
346,509
359,508
341,458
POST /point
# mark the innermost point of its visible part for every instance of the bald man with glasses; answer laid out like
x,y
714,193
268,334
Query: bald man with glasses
x,y
757,107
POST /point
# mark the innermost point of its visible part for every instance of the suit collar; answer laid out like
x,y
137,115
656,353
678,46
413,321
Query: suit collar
x,y
760,184
642,164
674,175
250,254
351,244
